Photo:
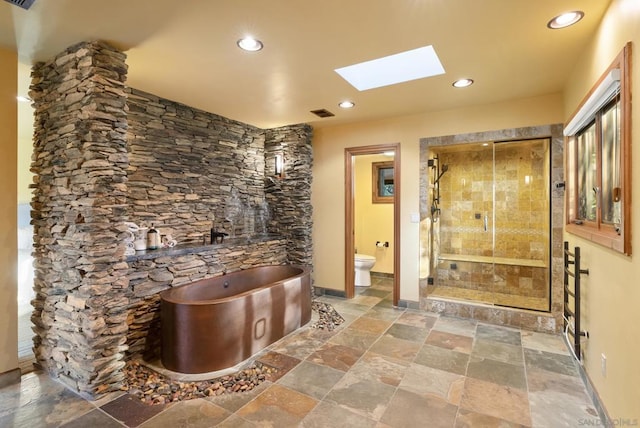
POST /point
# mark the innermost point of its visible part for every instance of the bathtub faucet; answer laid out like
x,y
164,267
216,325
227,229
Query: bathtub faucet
x,y
217,237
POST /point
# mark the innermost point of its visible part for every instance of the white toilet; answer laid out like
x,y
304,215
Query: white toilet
x,y
363,264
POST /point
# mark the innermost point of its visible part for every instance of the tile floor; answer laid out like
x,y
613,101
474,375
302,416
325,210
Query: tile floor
x,y
25,340
383,367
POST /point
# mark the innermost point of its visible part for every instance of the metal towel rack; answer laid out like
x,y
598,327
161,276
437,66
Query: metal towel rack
x,y
574,330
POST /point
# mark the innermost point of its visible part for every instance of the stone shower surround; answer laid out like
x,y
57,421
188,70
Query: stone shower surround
x,y
105,154
533,320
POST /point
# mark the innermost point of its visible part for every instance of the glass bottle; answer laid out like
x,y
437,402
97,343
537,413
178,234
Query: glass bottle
x,y
153,238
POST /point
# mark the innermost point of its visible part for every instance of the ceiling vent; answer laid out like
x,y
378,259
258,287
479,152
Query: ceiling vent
x,y
25,4
322,113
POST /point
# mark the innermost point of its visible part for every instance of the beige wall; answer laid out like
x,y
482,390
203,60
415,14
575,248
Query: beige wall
x,y
25,178
25,135
373,222
8,212
328,175
611,292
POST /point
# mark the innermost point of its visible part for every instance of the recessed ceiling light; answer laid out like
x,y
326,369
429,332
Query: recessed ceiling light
x,y
23,99
463,83
347,104
402,67
250,44
565,20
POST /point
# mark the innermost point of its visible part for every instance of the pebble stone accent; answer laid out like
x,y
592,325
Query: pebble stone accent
x,y
329,318
152,388
105,154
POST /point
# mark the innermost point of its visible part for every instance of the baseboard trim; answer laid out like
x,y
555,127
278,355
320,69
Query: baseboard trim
x,y
409,304
10,377
605,420
382,274
319,291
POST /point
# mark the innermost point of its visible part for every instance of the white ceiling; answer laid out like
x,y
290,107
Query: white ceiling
x,y
186,50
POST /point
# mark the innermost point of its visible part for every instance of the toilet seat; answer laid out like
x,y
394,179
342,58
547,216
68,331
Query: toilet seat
x,y
364,257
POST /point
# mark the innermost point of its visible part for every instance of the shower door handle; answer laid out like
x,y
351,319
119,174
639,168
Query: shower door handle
x,y
486,222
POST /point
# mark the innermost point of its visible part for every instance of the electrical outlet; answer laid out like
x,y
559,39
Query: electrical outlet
x,y
603,365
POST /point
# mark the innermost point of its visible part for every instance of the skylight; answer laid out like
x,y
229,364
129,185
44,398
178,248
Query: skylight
x,y
389,70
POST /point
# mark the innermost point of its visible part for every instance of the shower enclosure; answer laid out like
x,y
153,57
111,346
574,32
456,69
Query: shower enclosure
x,y
486,223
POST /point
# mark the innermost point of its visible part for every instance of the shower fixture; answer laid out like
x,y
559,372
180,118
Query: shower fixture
x,y
438,173
444,169
435,210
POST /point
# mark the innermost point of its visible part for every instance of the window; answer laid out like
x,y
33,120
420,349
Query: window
x,y
598,161
382,183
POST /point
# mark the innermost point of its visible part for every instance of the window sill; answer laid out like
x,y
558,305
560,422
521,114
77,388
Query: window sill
x,y
607,239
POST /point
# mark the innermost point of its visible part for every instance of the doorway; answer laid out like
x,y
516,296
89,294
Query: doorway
x,y
350,213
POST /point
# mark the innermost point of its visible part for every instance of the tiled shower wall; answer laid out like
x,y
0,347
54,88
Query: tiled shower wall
x,y
521,201
520,172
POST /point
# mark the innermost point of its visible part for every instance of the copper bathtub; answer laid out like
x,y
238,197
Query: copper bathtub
x,y
216,323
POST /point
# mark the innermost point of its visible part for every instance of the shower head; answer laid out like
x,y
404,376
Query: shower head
x,y
445,168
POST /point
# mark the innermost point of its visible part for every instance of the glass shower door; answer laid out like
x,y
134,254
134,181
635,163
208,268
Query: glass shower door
x,y
522,224
464,225
490,223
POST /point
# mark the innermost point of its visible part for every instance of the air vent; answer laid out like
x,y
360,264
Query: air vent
x,y
322,113
25,4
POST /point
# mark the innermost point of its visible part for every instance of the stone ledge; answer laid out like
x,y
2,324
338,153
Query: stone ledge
x,y
186,249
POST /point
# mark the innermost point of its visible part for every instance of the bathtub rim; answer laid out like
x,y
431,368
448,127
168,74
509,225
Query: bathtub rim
x,y
165,294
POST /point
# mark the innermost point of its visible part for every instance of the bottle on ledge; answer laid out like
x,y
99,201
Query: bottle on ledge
x,y
153,238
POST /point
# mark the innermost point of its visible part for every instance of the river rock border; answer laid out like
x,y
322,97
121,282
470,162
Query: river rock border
x,y
152,388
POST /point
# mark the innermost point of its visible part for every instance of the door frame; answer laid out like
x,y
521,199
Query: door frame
x,y
349,156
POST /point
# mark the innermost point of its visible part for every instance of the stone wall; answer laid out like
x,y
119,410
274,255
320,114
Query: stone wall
x,y
289,197
189,168
104,155
78,210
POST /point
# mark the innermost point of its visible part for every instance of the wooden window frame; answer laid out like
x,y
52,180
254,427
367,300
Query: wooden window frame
x,y
377,196
618,239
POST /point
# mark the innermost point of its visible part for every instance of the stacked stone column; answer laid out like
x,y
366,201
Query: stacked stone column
x,y
289,197
78,211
